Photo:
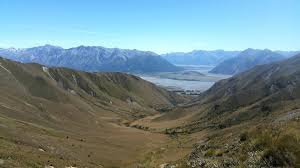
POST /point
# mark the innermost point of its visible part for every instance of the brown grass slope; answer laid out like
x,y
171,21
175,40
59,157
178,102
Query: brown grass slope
x,y
249,120
264,91
62,117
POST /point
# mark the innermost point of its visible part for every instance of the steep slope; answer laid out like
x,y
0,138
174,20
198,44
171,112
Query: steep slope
x,y
63,117
92,58
246,60
257,93
253,119
263,88
200,57
248,120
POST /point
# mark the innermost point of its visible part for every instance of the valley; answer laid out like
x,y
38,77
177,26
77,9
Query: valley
x,y
249,120
60,117
150,84
193,80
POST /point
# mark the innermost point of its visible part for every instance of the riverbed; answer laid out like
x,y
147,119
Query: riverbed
x,y
201,84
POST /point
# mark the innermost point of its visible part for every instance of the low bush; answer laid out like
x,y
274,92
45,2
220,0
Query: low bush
x,y
278,146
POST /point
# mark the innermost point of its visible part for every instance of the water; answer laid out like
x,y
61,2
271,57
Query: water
x,y
173,84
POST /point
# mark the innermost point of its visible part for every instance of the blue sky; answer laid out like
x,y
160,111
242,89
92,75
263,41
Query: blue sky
x,y
156,25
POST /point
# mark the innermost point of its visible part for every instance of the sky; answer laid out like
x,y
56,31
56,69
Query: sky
x,y
154,25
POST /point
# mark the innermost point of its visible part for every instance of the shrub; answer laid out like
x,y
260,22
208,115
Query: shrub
x,y
243,136
279,146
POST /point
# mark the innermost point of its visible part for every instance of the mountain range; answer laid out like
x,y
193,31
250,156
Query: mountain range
x,y
60,117
288,53
212,58
92,59
246,60
199,57
89,58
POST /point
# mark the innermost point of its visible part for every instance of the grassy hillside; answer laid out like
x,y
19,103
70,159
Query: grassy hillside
x,y
236,122
62,117
263,91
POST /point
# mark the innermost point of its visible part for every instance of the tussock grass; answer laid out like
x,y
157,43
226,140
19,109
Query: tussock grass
x,y
276,145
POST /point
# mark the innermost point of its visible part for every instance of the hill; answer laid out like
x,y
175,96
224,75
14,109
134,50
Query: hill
x,y
61,117
92,59
246,60
250,119
257,93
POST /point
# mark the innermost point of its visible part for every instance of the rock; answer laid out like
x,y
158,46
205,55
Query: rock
x,y
167,165
49,166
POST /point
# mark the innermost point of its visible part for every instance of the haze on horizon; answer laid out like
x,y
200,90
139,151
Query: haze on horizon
x,y
153,25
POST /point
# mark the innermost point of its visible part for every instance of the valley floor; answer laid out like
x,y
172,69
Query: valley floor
x,y
25,144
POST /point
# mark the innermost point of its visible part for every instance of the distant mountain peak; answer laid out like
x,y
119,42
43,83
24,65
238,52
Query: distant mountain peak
x,y
199,57
50,46
92,58
245,60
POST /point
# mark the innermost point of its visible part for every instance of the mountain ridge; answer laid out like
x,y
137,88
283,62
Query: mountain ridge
x,y
63,117
88,107
199,57
246,60
247,95
92,58
255,111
